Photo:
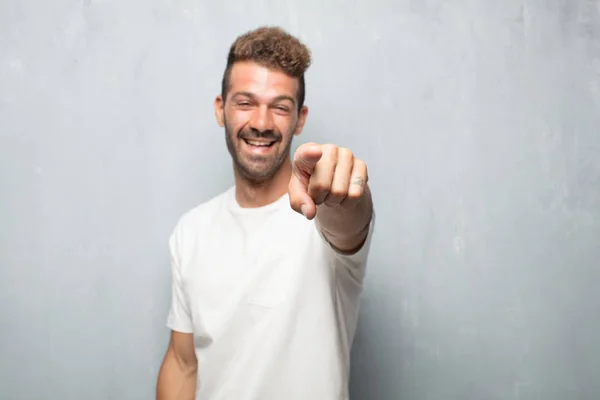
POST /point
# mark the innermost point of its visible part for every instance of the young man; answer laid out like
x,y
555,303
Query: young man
x,y
267,275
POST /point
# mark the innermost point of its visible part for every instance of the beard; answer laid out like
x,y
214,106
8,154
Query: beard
x,y
257,168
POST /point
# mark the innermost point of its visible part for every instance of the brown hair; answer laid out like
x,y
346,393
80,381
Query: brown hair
x,y
271,47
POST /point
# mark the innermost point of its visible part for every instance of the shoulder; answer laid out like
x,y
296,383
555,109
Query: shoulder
x,y
197,219
202,211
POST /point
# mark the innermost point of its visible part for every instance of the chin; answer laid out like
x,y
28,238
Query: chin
x,y
257,174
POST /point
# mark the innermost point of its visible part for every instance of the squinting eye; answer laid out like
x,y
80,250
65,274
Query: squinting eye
x,y
244,105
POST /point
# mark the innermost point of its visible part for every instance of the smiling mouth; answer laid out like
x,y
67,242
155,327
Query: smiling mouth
x,y
259,143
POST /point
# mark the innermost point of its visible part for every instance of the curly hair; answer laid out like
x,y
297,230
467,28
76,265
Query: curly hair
x,y
274,48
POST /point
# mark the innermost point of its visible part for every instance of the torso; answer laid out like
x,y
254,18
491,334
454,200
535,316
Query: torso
x,y
273,307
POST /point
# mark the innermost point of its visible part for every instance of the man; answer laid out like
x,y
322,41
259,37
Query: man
x,y
267,275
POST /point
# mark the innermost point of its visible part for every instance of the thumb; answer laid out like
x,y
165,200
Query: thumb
x,y
300,201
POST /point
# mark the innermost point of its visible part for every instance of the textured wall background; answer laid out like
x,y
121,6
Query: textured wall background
x,y
480,122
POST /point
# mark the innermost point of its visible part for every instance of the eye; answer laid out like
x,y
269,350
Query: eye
x,y
282,108
244,104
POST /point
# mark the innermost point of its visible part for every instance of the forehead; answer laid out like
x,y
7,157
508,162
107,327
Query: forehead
x,y
261,81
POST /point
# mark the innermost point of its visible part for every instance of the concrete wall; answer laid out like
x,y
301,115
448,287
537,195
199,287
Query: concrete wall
x,y
479,120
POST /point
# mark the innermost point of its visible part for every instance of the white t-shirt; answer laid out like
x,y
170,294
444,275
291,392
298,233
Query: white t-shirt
x,y
272,306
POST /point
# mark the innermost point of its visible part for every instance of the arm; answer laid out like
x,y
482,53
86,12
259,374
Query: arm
x,y
178,372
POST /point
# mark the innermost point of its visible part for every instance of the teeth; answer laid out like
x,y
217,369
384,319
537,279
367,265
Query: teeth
x,y
263,144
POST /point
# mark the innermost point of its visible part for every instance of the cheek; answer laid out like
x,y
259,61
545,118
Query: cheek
x,y
286,126
234,122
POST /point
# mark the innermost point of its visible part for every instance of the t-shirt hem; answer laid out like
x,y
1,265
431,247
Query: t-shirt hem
x,y
179,327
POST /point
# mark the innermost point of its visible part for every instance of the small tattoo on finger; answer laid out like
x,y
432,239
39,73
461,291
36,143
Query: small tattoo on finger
x,y
359,181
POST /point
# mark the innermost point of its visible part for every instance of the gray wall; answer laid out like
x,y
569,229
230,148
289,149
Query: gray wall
x,y
479,120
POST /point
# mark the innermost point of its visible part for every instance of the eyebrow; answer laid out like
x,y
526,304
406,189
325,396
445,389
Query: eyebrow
x,y
276,99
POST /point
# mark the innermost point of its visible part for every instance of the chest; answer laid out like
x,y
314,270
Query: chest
x,y
241,272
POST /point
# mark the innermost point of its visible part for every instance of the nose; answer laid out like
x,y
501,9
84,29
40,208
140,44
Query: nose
x,y
262,120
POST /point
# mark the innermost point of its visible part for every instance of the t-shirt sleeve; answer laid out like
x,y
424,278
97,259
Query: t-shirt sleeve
x,y
352,264
179,318
350,271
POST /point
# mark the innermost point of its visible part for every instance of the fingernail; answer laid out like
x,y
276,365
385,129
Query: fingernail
x,y
304,209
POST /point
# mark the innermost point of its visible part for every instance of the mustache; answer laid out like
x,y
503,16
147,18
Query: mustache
x,y
254,134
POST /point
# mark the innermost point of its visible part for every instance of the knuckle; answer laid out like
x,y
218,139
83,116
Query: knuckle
x,y
361,168
355,193
345,153
330,149
337,192
319,187
360,163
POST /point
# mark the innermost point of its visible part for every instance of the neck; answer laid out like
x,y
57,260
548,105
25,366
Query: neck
x,y
252,194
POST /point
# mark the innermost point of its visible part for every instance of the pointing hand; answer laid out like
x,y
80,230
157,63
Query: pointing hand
x,y
325,174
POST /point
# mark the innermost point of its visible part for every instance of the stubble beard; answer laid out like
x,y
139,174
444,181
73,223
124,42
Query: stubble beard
x,y
256,169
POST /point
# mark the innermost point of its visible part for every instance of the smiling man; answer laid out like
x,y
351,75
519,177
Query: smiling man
x,y
267,276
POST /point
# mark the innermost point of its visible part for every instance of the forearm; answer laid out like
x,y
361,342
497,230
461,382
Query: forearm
x,y
346,228
176,381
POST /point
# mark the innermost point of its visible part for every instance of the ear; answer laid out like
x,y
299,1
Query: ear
x,y
219,110
301,120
